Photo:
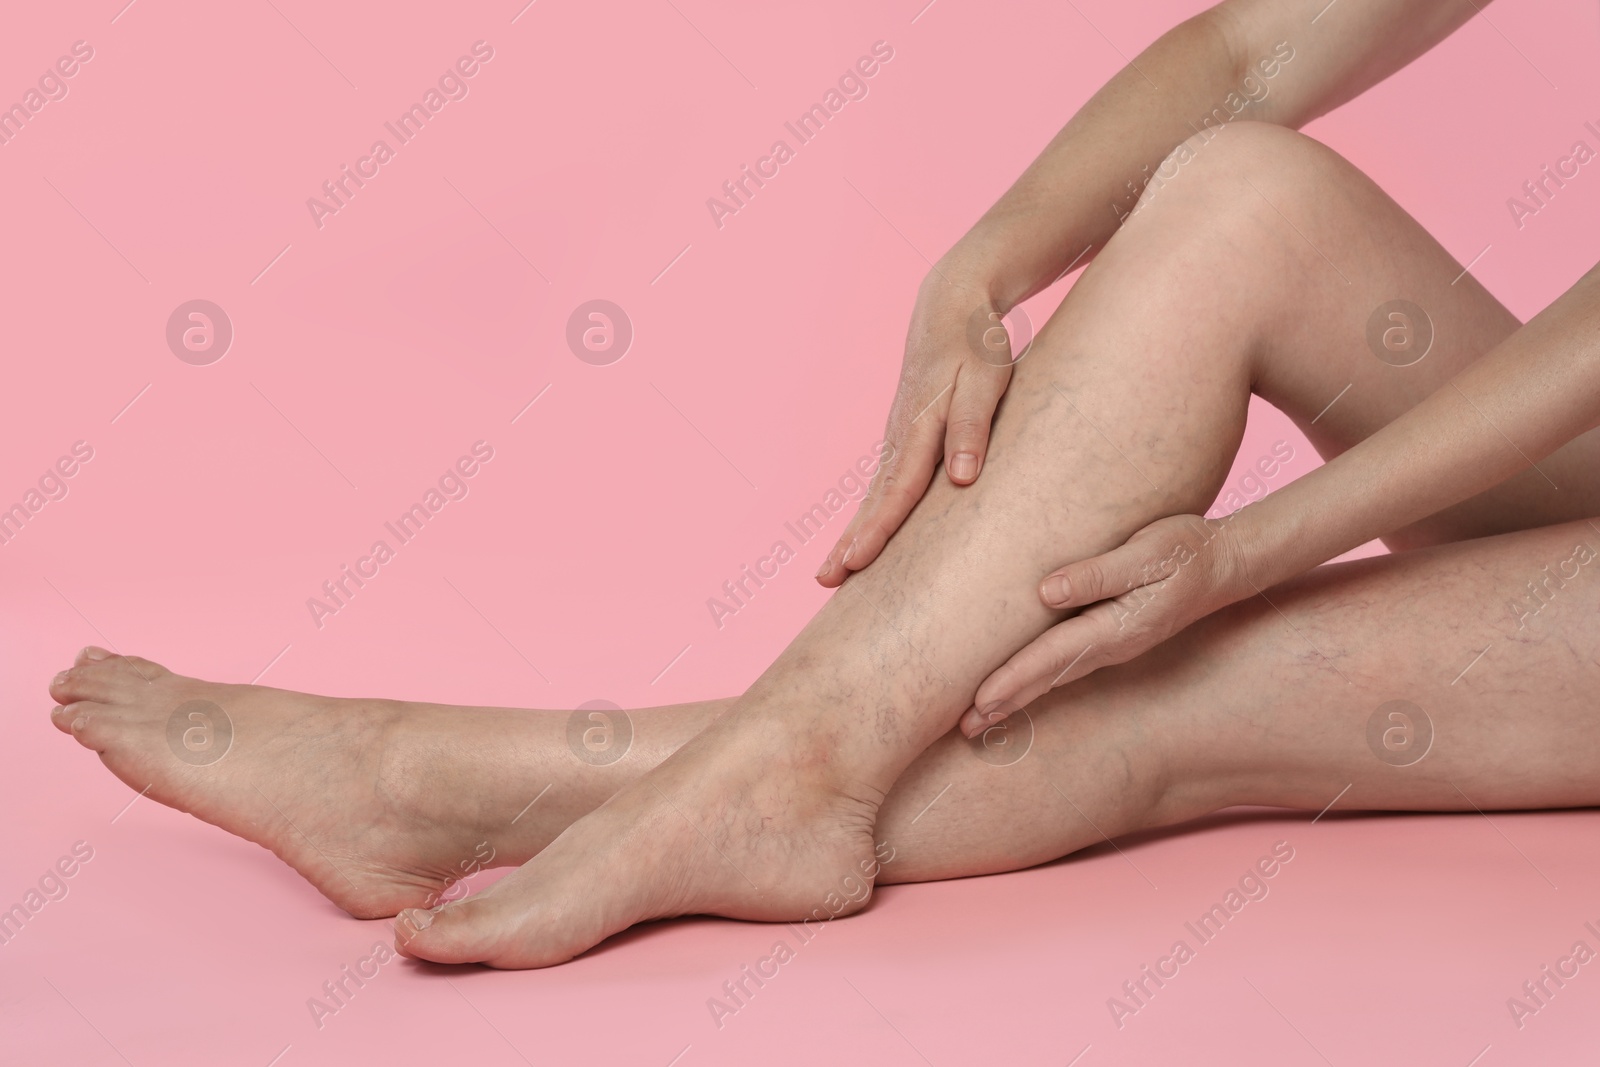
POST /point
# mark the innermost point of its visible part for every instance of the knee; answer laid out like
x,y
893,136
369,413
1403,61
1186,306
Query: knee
x,y
1211,174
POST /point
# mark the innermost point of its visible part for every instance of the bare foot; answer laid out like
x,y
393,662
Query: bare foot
x,y
380,804
737,823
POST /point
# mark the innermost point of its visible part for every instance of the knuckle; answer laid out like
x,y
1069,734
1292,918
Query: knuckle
x,y
882,485
1090,576
899,483
929,427
1063,653
968,428
891,483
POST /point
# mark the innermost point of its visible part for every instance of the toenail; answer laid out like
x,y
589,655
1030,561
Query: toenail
x,y
61,679
421,920
80,722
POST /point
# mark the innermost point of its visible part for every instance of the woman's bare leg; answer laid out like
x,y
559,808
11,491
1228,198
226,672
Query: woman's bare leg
x,y
379,804
1240,709
1110,455
1273,704
1131,408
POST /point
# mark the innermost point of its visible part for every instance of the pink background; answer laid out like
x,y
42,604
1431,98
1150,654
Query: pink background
x,y
430,310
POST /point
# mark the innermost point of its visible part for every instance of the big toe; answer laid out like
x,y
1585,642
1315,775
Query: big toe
x,y
103,680
518,922
466,931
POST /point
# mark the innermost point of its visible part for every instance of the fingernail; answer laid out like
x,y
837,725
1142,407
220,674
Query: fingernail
x,y
848,553
1056,590
963,466
827,565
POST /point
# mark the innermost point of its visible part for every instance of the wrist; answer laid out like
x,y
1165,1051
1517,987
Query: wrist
x,y
989,261
970,272
1009,257
1257,546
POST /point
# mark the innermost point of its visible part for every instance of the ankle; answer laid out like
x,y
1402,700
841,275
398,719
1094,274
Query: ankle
x,y
826,761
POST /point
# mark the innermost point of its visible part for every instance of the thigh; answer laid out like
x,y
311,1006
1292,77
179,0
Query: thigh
x,y
1346,310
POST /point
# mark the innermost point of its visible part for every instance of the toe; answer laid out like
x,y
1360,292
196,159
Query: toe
x,y
466,931
61,717
89,682
103,678
91,654
448,934
91,723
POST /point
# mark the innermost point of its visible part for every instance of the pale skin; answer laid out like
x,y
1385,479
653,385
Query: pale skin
x,y
1533,393
1128,409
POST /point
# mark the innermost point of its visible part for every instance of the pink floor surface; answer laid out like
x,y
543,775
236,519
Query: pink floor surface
x,y
371,346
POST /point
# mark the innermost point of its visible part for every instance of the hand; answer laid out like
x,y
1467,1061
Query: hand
x,y
1166,576
957,365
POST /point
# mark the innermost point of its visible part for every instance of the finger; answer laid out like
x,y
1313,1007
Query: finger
x,y
898,484
966,436
978,718
1061,654
1102,577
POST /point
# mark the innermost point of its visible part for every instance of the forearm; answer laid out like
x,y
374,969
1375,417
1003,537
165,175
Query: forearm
x,y
1241,60
1074,195
1509,410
